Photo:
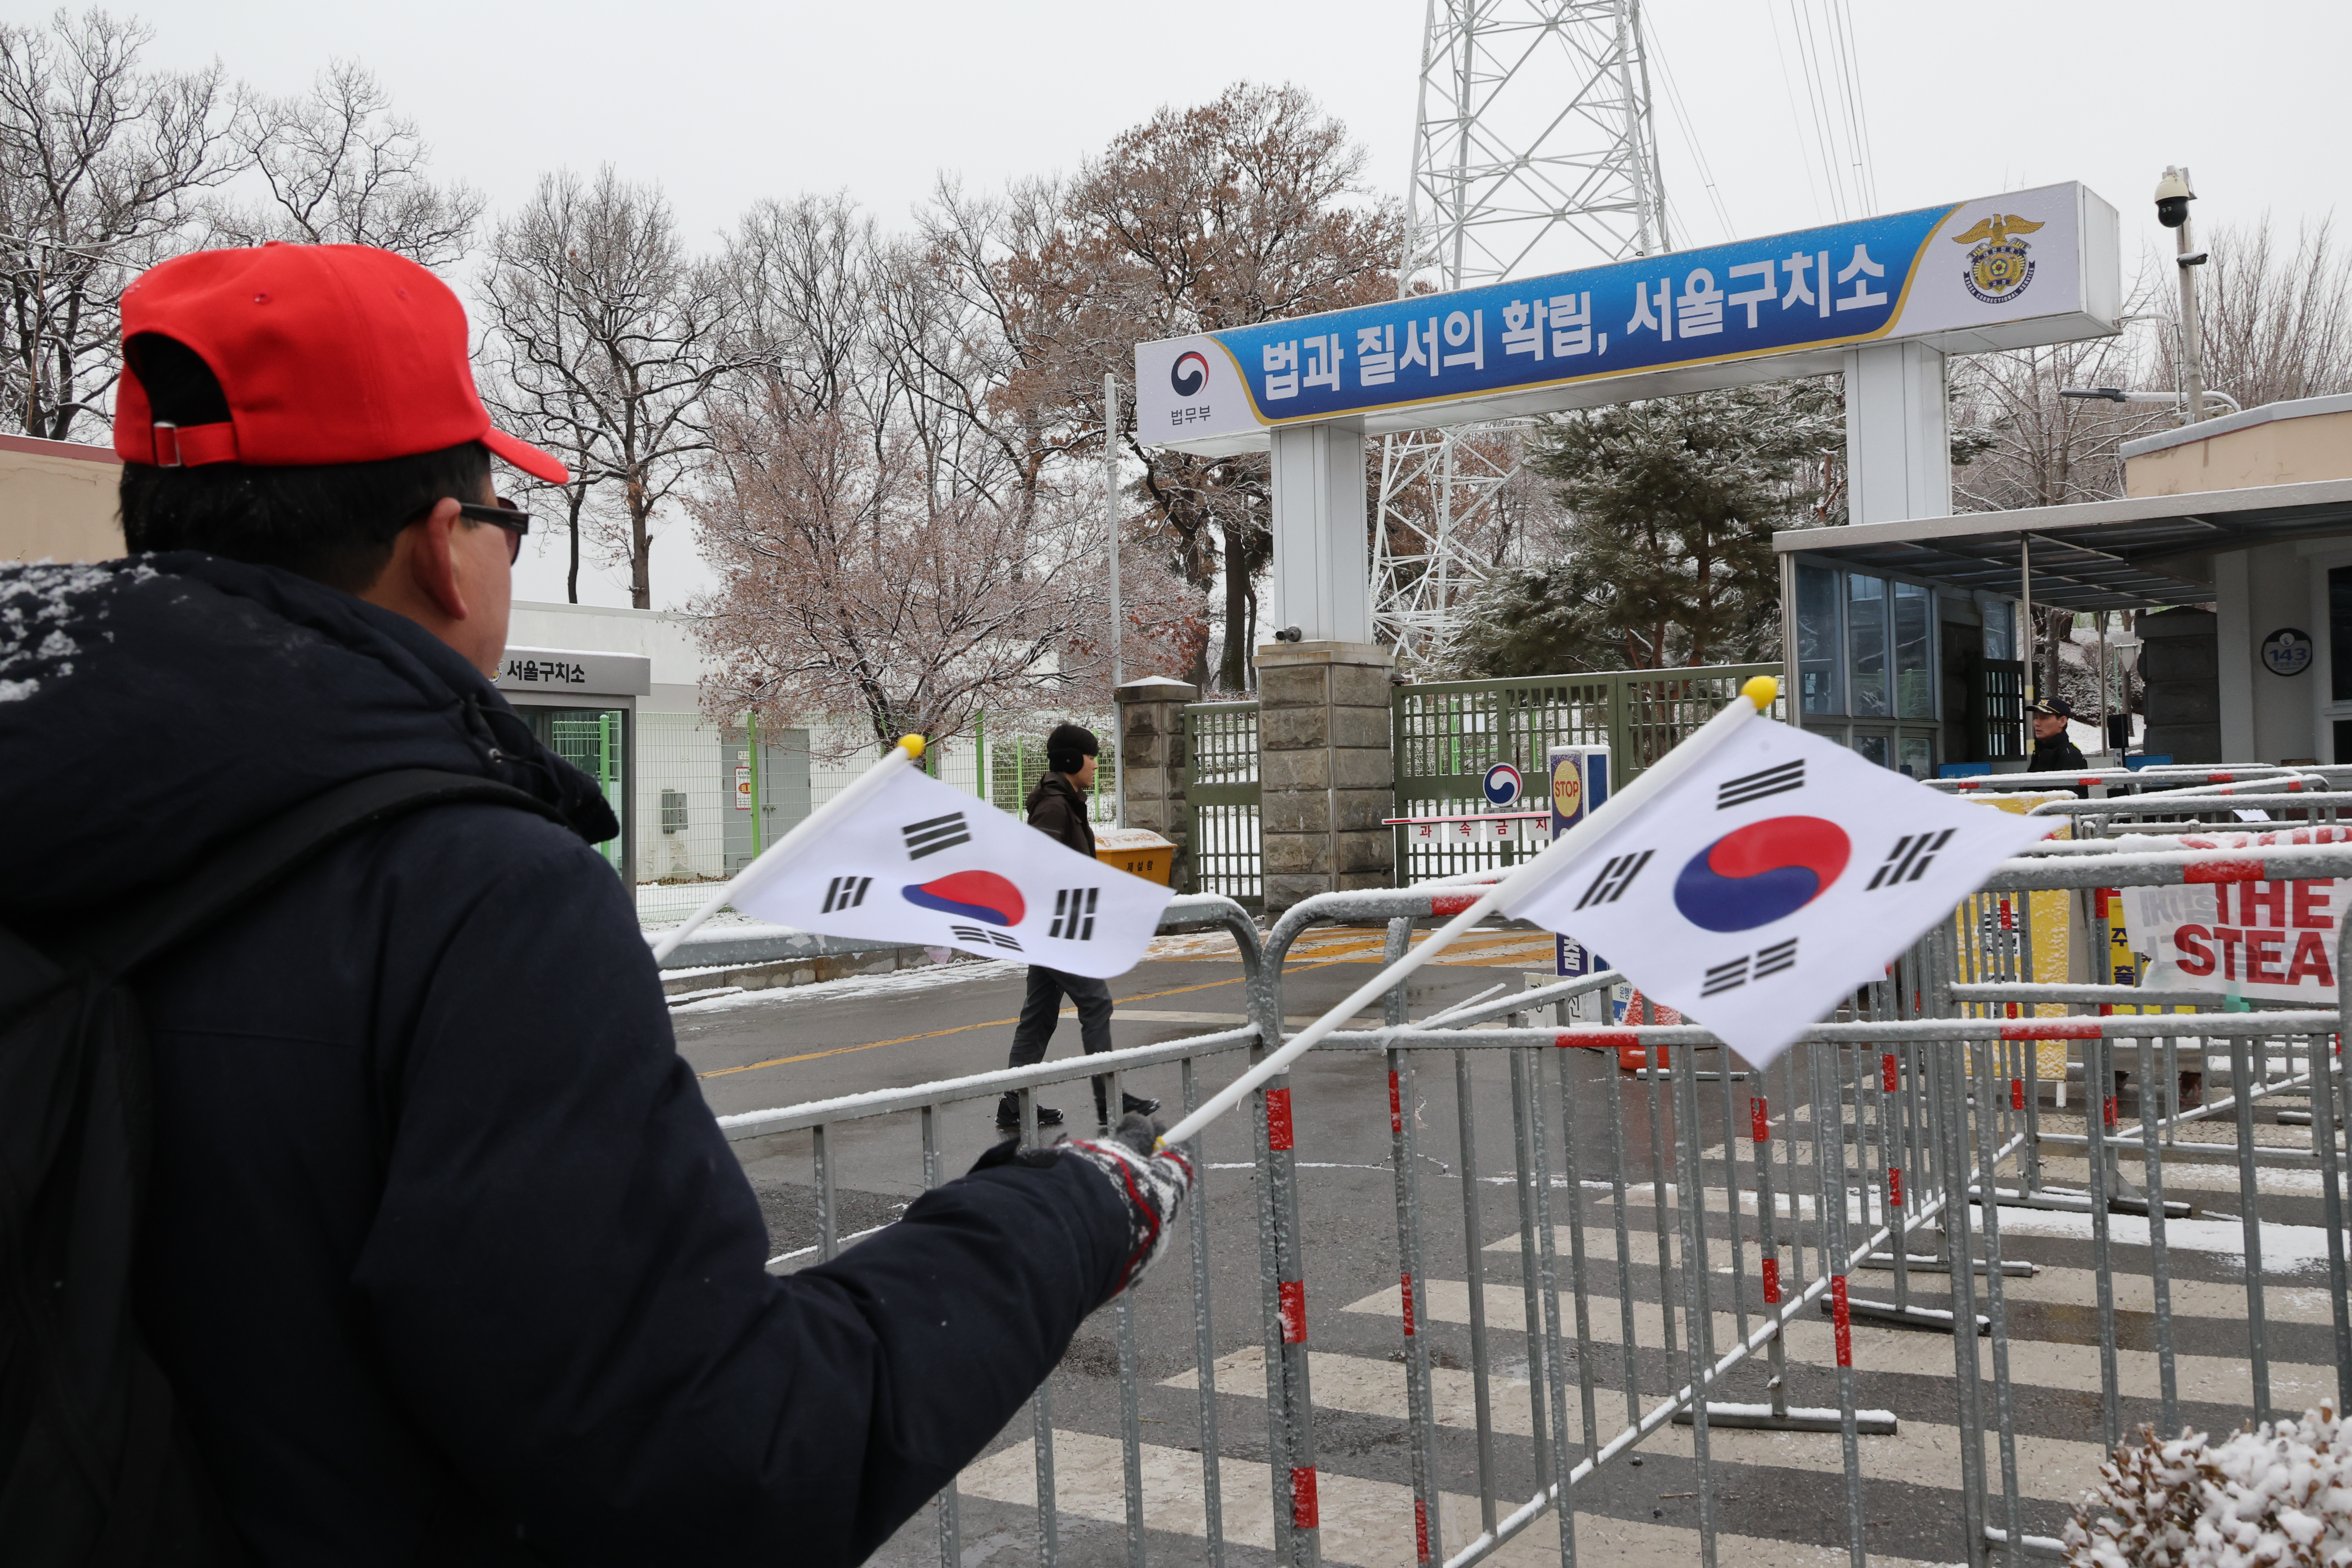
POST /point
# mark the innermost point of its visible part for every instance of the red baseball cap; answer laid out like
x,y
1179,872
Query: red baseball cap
x,y
327,354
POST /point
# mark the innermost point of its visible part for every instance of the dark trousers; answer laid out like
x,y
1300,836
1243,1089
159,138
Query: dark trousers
x,y
1041,1009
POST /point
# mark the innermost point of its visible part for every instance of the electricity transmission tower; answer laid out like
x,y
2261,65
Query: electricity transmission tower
x,y
1533,152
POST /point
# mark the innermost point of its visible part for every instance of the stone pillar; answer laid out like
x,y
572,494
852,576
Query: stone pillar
x,y
1151,760
1327,771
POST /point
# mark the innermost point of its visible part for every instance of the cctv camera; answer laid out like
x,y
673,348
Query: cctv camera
x,y
2172,198
1287,634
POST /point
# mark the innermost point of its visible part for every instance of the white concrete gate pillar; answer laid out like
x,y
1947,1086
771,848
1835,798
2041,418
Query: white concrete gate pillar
x,y
1322,571
1327,773
1899,434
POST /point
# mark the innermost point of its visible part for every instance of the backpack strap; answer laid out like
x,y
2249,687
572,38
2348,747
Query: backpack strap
x,y
230,874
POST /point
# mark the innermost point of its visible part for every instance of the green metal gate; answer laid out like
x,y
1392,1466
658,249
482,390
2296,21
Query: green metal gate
x,y
1221,802
1447,733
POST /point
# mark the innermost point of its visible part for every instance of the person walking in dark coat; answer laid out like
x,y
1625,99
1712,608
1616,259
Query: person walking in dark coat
x,y
2055,751
444,1258
1058,811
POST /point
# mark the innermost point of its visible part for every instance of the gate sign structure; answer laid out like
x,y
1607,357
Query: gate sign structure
x,y
1882,300
2015,270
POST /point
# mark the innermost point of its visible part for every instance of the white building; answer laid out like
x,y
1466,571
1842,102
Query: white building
x,y
619,693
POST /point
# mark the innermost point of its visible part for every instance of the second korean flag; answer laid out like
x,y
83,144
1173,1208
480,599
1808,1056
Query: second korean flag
x,y
1772,881
924,864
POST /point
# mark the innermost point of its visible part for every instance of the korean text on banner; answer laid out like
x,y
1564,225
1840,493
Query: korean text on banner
x,y
2275,941
1774,877
923,864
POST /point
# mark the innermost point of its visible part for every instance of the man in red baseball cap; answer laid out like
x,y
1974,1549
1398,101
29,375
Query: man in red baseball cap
x,y
442,1257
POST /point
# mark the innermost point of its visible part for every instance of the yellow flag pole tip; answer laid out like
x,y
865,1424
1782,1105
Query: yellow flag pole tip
x,y
1760,692
913,746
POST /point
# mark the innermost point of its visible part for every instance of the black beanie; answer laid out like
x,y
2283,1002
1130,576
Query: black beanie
x,y
1067,745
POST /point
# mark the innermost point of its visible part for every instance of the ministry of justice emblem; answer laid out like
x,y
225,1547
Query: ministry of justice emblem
x,y
2000,267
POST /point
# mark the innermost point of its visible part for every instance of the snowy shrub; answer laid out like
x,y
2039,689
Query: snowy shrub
x,y
2277,1497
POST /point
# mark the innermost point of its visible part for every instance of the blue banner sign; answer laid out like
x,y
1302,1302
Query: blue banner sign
x,y
2008,272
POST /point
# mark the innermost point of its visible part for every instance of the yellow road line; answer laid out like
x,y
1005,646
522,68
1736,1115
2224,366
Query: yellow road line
x,y
961,1028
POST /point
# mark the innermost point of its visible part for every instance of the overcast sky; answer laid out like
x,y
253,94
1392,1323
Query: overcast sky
x,y
727,102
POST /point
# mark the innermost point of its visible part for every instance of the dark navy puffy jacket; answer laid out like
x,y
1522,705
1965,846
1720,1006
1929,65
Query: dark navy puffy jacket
x,y
447,1260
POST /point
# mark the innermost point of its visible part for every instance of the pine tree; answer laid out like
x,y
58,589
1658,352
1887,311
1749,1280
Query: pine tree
x,y
1665,558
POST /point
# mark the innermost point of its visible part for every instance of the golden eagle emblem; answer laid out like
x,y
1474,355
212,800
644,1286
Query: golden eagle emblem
x,y
2001,265
1996,229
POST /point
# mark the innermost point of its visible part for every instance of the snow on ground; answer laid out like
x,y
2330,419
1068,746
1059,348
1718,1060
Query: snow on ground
x,y
661,905
860,987
2286,1247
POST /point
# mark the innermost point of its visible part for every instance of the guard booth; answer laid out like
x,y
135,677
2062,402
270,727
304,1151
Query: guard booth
x,y
1907,636
583,705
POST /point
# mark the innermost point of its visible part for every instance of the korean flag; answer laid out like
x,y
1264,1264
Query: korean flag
x,y
1771,879
923,863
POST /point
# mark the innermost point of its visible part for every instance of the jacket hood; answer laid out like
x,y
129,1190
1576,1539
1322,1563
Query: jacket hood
x,y
152,708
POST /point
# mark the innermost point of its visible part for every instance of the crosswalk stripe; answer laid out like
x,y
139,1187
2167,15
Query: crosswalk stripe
x,y
1921,1453
2039,1363
2288,1251
1364,1523
2055,1283
2187,1176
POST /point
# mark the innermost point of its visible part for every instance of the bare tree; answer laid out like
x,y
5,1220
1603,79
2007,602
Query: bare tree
x,y
2017,444
102,171
608,338
1244,209
341,168
2275,323
800,274
851,587
1249,208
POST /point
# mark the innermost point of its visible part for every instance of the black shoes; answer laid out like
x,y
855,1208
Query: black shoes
x,y
1008,1111
1008,1114
1130,1103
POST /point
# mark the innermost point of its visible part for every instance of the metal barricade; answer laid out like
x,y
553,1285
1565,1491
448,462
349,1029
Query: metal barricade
x,y
1879,1144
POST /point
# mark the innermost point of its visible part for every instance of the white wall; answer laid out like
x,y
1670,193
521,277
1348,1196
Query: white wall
x,y
663,635
2266,718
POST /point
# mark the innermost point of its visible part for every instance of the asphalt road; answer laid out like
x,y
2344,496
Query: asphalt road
x,y
1778,1497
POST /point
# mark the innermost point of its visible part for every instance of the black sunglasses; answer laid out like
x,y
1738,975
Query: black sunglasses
x,y
506,515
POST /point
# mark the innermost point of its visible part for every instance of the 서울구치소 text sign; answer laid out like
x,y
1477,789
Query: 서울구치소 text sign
x,y
2010,272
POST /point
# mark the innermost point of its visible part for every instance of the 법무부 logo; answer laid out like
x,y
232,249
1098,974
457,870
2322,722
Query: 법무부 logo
x,y
1189,374
2001,266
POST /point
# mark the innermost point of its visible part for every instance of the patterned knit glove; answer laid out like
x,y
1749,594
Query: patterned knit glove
x,y
1151,1185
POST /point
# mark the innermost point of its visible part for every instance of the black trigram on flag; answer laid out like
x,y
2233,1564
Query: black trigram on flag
x,y
1074,914
1910,859
1757,786
845,892
1738,972
980,936
1614,879
938,833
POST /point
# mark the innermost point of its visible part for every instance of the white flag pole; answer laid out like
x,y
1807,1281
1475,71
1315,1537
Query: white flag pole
x,y
1754,698
900,756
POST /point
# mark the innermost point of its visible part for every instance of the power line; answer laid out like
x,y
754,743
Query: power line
x,y
1800,23
1857,111
1796,124
1690,135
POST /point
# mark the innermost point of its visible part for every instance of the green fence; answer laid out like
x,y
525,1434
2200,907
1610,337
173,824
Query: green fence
x,y
1221,802
1448,733
1016,761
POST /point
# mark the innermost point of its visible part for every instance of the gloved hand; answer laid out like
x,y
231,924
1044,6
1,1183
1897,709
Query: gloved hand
x,y
1153,1187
